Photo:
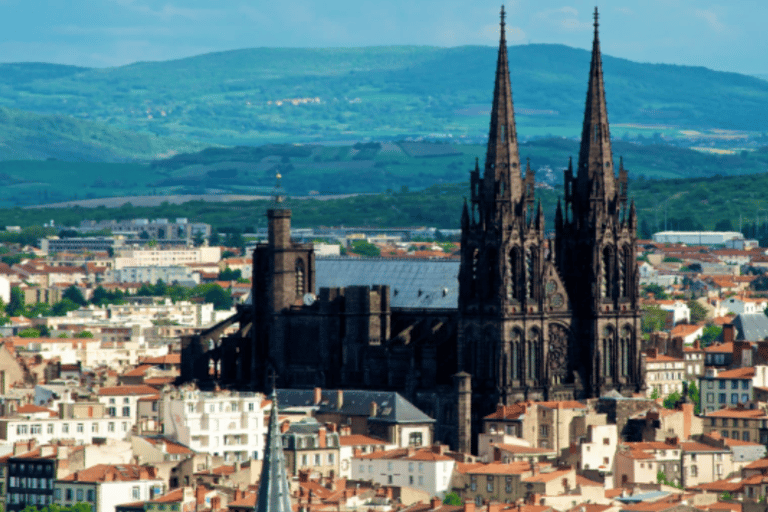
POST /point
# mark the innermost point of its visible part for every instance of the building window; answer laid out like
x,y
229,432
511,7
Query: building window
x,y
68,494
734,398
735,434
421,467
410,467
744,397
50,428
721,384
80,428
79,494
745,384
389,479
508,484
126,400
126,412
410,479
111,412
473,483
721,398
304,460
57,494
745,436
415,439
544,431
136,492
318,460
331,458
21,429
91,497
421,480
489,484
111,426
95,427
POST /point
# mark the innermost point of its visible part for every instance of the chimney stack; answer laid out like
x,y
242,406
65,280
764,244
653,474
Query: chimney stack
x,y
318,395
435,503
373,410
729,333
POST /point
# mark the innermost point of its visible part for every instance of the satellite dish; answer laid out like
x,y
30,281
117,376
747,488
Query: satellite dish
x,y
309,299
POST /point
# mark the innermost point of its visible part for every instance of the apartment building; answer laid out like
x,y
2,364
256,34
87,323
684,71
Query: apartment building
x,y
663,374
105,486
426,469
223,423
739,423
148,257
311,446
122,401
718,388
540,424
640,463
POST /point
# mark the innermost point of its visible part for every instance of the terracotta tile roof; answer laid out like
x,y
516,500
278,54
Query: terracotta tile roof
x,y
730,485
33,409
359,440
497,468
126,390
747,372
107,473
663,358
248,500
758,464
651,445
722,320
158,381
424,454
219,470
684,329
138,371
166,359
176,495
168,445
548,477
152,398
720,348
738,413
692,446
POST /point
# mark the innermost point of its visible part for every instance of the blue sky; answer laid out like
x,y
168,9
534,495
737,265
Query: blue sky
x,y
723,35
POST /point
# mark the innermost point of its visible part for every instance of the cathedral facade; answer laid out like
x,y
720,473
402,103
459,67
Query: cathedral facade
x,y
522,316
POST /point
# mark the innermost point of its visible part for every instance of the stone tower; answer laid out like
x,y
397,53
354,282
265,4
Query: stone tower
x,y
283,273
595,247
514,319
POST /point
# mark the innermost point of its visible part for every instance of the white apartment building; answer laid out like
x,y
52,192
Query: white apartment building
x,y
122,401
166,257
426,469
182,313
48,430
104,486
598,450
151,275
225,423
681,313
663,374
90,352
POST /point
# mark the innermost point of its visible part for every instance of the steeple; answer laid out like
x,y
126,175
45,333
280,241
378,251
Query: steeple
x,y
595,172
502,161
274,494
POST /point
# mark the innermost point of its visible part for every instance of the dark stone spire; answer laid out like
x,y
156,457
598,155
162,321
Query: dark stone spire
x,y
274,493
502,161
595,172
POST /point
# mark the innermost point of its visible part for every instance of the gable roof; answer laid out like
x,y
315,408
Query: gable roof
x,y
752,327
128,390
391,407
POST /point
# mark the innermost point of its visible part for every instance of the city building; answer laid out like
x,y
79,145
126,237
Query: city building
x,y
311,446
225,423
105,486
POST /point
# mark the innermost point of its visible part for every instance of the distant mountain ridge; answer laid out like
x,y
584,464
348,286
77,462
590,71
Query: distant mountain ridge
x,y
302,95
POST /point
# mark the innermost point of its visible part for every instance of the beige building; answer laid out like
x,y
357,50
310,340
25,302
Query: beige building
x,y
703,463
663,374
166,257
736,423
540,424
640,463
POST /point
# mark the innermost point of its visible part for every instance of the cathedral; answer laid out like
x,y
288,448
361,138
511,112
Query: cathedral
x,y
524,315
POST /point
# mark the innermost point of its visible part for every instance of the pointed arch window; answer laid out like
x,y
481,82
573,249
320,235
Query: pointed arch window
x,y
530,269
516,347
606,273
533,355
622,280
300,281
626,355
513,280
609,347
474,281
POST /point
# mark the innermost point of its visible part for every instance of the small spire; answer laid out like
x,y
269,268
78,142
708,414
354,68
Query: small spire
x,y
621,163
596,15
503,25
278,193
540,217
274,493
465,215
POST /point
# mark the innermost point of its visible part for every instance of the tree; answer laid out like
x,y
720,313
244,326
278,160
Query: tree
x,y
657,291
84,334
655,394
214,239
213,293
364,248
693,394
698,312
63,306
671,400
74,294
711,333
15,306
654,319
452,499
29,333
230,275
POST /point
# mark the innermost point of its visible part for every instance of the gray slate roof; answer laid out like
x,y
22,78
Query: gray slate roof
x,y
751,327
274,492
391,406
412,283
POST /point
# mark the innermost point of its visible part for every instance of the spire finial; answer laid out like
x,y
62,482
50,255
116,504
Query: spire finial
x,y
278,194
596,15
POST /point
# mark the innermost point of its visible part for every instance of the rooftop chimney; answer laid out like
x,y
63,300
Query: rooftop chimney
x,y
318,395
729,333
339,398
373,410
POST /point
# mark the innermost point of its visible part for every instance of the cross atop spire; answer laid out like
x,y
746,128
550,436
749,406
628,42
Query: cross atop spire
x,y
595,172
502,161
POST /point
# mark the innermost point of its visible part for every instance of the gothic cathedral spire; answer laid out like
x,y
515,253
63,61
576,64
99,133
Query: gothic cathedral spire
x,y
596,179
502,163
274,493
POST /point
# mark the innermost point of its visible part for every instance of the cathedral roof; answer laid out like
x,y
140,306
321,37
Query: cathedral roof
x,y
391,407
431,284
274,493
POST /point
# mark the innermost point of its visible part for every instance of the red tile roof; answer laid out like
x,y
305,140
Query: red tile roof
x,y
134,390
109,473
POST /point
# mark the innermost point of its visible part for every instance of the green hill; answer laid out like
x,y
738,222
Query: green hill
x,y
248,96
28,136
326,169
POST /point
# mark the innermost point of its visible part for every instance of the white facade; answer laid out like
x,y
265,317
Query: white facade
x,y
105,496
227,424
151,275
746,306
166,257
181,313
45,431
681,313
598,451
413,469
123,406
